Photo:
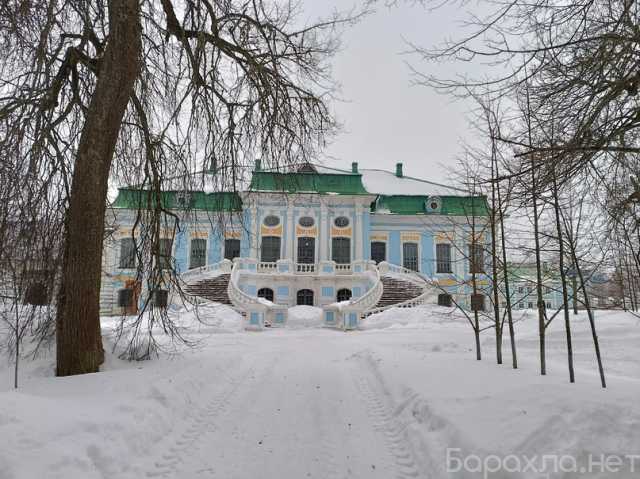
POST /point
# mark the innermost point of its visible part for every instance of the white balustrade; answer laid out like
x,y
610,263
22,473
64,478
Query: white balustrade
x,y
343,268
306,268
267,267
220,267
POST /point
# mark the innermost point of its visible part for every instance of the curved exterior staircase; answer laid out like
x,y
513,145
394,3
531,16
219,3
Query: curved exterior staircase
x,y
395,291
213,289
390,286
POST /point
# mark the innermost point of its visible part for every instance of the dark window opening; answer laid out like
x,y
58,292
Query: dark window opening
x,y
444,299
304,297
344,295
198,253
164,253
443,258
160,298
477,302
270,250
36,294
266,293
410,256
231,248
125,298
127,253
306,250
341,250
378,251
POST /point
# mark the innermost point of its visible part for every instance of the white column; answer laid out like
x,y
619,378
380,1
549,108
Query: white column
x,y
323,232
254,233
357,233
290,240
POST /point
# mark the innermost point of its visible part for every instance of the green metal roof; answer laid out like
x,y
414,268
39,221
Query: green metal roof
x,y
133,198
415,205
323,183
340,183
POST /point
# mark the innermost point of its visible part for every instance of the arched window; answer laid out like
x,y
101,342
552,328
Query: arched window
x,y
270,249
343,295
266,293
305,297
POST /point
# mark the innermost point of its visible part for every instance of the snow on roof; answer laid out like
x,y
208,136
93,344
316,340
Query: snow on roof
x,y
387,183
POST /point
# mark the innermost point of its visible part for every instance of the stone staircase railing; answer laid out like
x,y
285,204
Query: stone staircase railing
x,y
346,315
258,310
222,267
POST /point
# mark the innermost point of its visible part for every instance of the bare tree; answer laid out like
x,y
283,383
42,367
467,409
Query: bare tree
x,y
140,90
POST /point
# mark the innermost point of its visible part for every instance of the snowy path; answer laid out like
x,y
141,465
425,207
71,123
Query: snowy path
x,y
317,403
278,419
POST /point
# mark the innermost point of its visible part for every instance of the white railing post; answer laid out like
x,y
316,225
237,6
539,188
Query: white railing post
x,y
347,316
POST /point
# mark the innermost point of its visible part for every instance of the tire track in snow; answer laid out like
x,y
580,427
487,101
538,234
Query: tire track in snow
x,y
377,404
329,439
201,423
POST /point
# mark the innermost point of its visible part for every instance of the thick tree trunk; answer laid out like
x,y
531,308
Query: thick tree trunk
x,y
79,342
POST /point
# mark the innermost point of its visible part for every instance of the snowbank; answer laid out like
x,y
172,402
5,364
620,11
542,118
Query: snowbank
x,y
304,317
418,317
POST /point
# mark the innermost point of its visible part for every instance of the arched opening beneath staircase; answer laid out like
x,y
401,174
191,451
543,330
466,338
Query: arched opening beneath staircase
x,y
343,295
266,293
304,297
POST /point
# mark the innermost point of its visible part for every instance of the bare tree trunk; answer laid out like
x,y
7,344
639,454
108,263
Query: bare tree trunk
x,y
494,266
574,285
476,330
15,371
507,291
541,321
79,342
563,279
592,322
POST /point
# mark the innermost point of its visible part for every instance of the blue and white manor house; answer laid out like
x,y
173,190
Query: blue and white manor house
x,y
352,242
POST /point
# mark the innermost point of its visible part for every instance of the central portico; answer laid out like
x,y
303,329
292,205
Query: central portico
x,y
310,231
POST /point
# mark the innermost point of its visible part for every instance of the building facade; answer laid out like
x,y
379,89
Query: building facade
x,y
311,236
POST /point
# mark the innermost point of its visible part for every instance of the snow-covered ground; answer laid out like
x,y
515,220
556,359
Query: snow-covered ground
x,y
383,402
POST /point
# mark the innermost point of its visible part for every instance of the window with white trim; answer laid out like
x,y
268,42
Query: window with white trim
x,y
443,258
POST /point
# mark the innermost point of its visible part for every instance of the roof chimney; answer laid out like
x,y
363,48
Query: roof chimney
x,y
258,165
399,170
354,167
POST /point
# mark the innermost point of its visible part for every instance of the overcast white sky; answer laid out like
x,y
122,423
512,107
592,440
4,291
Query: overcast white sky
x,y
386,119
